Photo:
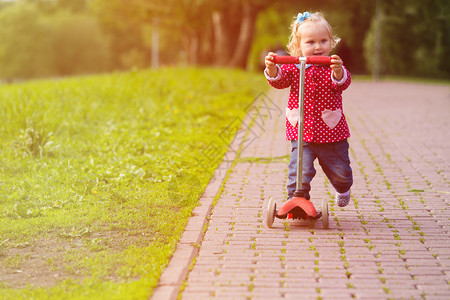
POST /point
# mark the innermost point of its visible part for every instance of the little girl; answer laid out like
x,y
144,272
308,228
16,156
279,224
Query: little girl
x,y
325,128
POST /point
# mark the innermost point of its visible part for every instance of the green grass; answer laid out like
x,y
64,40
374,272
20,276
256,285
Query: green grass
x,y
99,175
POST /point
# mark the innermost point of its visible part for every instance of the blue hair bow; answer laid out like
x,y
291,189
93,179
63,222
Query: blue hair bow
x,y
303,16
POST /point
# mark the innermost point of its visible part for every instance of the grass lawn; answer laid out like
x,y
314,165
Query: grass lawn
x,y
99,175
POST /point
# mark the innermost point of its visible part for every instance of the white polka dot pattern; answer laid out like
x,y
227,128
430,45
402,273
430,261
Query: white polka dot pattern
x,y
321,93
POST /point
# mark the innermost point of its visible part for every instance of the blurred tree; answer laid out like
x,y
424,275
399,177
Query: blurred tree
x,y
272,32
185,28
79,45
216,32
25,43
415,38
351,20
124,23
37,44
72,5
233,25
50,6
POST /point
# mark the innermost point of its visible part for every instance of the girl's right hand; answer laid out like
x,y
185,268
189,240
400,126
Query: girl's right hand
x,y
271,67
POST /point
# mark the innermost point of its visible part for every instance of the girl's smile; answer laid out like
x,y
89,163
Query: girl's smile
x,y
315,40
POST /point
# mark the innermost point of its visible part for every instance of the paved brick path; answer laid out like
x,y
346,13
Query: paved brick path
x,y
392,241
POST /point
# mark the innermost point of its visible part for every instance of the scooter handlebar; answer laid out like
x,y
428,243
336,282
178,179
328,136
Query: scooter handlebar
x,y
319,60
286,59
313,60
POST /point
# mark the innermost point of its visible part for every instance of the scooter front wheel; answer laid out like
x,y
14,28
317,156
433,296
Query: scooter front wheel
x,y
271,211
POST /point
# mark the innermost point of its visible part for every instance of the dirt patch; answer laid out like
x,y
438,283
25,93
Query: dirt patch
x,y
46,262
36,265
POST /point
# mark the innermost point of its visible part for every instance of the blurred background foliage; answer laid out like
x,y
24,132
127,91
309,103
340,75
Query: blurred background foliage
x,y
52,38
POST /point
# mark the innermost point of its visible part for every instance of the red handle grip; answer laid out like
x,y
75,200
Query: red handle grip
x,y
318,60
286,59
313,60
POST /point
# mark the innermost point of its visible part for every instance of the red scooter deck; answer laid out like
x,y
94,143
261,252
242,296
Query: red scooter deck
x,y
298,208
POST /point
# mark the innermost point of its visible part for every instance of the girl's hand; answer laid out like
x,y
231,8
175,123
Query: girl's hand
x,y
336,66
271,67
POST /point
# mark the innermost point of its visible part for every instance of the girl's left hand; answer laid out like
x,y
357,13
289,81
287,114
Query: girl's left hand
x,y
336,66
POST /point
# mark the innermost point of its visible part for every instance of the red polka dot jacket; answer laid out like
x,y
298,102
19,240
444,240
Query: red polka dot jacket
x,y
324,120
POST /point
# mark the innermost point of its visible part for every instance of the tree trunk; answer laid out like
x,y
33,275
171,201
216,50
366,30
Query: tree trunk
x,y
193,50
221,48
233,29
377,43
245,38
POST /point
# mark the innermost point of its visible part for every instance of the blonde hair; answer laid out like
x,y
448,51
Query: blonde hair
x,y
294,39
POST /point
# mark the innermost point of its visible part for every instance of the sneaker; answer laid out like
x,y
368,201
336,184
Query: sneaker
x,y
343,199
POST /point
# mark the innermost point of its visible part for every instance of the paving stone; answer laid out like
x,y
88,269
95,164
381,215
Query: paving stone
x,y
391,242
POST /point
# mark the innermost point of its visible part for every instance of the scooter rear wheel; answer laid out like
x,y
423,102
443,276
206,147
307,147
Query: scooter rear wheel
x,y
325,213
271,211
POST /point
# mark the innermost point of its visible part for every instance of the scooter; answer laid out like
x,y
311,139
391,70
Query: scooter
x,y
298,207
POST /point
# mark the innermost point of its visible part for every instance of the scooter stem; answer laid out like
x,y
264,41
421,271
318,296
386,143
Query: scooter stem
x,y
301,98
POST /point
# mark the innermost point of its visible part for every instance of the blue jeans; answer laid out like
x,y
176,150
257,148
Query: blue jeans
x,y
334,160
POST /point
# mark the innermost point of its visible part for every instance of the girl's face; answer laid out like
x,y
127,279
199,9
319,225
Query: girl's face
x,y
315,40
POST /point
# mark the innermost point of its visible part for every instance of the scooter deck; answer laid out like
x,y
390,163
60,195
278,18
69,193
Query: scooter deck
x,y
298,208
